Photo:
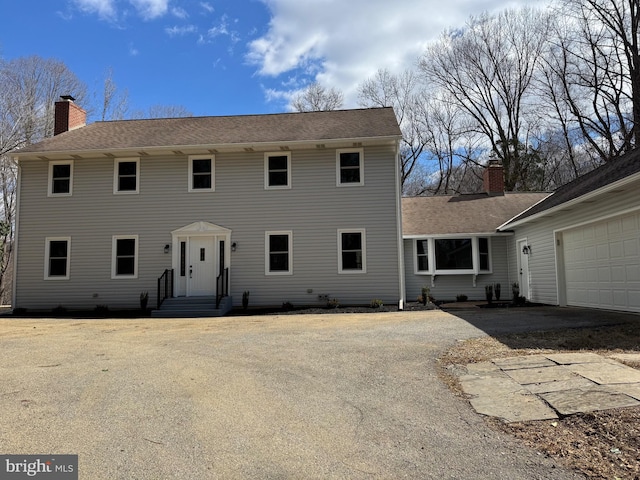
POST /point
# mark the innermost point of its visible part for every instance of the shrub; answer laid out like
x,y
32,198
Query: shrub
x,y
496,289
333,303
287,306
376,303
59,310
488,293
461,298
245,299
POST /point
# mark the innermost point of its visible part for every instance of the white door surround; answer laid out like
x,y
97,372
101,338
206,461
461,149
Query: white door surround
x,y
197,256
523,268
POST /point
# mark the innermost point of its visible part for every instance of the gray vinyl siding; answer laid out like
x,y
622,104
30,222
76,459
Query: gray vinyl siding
x,y
540,236
313,209
447,287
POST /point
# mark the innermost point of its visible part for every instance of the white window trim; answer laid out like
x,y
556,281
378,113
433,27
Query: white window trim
x,y
429,256
47,246
266,170
116,162
475,252
363,234
350,150
50,186
289,233
114,250
213,173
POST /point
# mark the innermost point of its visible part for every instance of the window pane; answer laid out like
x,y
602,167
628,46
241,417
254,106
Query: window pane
x,y
279,262
350,175
352,260
127,183
278,178
454,254
61,186
58,248
278,163
278,243
125,266
202,181
422,246
57,267
127,168
483,248
423,263
202,166
126,247
61,171
350,159
351,241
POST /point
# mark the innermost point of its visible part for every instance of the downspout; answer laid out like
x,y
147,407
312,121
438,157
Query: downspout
x,y
15,238
401,282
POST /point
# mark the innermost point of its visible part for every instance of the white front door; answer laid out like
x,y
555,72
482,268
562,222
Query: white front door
x,y
523,269
201,266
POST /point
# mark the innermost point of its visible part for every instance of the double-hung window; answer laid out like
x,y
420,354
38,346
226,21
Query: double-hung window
x,y
201,173
352,252
277,170
452,255
60,178
279,253
57,258
350,167
124,263
126,175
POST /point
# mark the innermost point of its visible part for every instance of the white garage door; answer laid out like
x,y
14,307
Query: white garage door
x,y
602,263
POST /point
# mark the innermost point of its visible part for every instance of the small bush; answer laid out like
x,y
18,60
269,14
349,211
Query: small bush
x,y
59,310
19,311
488,293
287,306
101,309
496,289
245,299
333,303
376,303
426,295
461,298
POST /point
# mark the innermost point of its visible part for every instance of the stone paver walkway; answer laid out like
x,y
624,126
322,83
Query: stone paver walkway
x,y
540,387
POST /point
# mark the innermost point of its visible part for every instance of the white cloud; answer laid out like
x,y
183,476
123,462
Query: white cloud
x,y
207,7
180,31
133,51
341,43
103,8
150,9
179,12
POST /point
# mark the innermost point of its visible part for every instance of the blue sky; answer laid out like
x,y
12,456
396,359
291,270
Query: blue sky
x,y
225,57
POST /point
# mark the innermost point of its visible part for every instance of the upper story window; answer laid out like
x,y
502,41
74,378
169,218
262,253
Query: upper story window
x,y
279,253
350,166
450,256
352,252
277,170
124,257
57,258
60,178
126,176
201,173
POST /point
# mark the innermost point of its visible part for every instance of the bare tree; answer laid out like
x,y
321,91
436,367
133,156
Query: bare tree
x,y
114,103
168,111
29,87
486,70
403,92
316,98
596,63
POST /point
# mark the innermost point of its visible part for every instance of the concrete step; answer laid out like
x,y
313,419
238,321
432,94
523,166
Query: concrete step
x,y
192,307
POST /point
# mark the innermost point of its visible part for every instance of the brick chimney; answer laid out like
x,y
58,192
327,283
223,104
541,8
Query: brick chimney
x,y
68,115
493,178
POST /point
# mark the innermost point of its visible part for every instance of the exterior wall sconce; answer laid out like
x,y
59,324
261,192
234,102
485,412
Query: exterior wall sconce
x,y
527,249
234,245
167,247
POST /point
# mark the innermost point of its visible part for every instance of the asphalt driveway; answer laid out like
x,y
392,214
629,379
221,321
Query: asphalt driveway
x,y
296,396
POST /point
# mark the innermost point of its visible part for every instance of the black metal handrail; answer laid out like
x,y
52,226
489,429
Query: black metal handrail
x,y
165,286
222,286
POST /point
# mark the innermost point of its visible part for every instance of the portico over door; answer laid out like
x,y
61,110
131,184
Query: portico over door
x,y
199,250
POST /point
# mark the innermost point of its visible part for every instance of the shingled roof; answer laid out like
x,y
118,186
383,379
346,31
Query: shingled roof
x,y
231,130
462,214
607,174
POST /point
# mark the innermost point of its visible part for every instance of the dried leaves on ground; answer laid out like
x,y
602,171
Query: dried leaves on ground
x,y
601,445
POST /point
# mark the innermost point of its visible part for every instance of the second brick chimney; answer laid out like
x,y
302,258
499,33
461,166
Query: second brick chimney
x,y
493,178
68,115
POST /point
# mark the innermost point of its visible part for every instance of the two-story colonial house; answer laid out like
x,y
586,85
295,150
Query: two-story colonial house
x,y
294,207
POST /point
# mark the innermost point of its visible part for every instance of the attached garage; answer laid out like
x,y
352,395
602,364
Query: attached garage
x,y
602,264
